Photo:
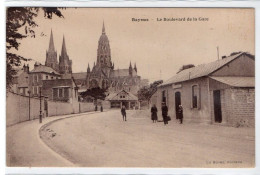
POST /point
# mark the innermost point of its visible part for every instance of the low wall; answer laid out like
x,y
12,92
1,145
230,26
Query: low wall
x,y
17,108
86,107
59,108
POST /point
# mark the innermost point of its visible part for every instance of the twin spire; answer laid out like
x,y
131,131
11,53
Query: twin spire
x,y
52,48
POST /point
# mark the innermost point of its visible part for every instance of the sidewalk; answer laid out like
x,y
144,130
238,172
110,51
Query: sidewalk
x,y
25,148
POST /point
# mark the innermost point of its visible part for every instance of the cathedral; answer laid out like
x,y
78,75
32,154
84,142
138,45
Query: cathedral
x,y
103,74
65,64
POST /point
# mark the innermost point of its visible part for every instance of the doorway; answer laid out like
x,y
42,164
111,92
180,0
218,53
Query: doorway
x,y
217,106
177,102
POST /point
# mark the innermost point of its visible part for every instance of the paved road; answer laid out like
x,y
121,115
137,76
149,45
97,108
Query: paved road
x,y
105,140
24,148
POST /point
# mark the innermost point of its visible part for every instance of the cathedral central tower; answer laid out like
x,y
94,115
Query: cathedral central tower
x,y
103,51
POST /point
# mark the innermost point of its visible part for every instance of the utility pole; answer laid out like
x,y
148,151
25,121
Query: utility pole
x,y
29,92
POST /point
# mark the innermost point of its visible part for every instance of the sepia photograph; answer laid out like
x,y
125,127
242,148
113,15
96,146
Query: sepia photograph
x,y
130,87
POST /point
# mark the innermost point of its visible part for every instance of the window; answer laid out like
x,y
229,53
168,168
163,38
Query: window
x,y
35,78
52,78
60,93
55,93
66,92
164,96
47,77
195,96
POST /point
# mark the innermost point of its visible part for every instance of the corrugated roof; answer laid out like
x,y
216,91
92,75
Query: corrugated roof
x,y
46,69
237,81
200,70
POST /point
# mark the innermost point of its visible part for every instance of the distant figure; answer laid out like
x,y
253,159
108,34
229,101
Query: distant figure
x,y
165,113
101,108
96,108
154,114
180,112
123,112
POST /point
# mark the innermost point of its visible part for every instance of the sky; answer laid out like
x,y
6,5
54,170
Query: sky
x,y
159,48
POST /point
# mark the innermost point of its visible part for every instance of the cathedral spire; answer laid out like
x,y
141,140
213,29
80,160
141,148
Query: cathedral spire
x,y
130,66
130,69
51,43
135,68
103,29
63,49
88,70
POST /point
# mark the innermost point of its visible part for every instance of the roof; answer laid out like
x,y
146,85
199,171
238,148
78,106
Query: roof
x,y
78,75
121,73
200,70
113,95
45,69
237,81
58,82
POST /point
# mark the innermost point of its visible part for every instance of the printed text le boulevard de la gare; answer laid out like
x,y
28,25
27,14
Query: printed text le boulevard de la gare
x,y
202,19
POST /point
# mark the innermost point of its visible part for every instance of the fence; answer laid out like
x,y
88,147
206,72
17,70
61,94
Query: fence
x,y
18,107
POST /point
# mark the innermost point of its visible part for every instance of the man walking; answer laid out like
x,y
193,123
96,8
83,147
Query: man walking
x,y
123,112
165,113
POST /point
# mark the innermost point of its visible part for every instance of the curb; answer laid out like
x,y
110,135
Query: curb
x,y
42,128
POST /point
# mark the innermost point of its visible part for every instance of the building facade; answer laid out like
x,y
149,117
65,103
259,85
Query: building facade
x,y
37,75
123,98
218,92
104,75
21,81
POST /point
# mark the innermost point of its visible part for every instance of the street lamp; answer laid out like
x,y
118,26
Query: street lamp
x,y
40,118
29,92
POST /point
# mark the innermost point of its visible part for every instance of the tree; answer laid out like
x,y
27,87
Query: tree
x,y
20,23
146,92
96,93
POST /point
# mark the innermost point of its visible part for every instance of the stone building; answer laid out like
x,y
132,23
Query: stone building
x,y
64,90
222,91
104,75
38,74
64,66
21,81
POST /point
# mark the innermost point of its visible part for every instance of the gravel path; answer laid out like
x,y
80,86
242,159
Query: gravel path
x,y
105,140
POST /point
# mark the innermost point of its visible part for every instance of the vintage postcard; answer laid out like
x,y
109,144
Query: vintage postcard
x,y
130,87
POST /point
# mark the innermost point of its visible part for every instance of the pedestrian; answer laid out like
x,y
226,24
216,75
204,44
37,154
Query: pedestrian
x,y
96,108
123,112
165,113
101,108
180,112
154,113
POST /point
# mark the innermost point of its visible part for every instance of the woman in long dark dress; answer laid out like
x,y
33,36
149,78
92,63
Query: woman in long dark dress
x,y
154,114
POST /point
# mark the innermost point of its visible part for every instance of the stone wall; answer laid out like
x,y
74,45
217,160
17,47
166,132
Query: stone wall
x,y
17,108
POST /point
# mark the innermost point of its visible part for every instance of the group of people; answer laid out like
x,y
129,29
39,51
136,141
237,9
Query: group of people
x,y
165,116
154,111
